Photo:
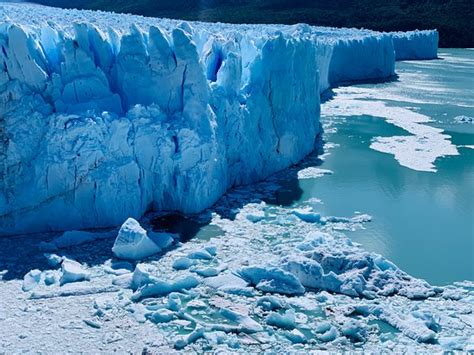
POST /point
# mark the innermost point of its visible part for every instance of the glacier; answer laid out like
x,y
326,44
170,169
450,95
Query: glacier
x,y
107,116
416,44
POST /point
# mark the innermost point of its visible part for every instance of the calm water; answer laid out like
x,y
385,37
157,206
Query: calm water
x,y
423,221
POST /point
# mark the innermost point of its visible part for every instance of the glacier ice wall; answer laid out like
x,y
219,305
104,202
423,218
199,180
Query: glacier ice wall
x,y
98,125
416,44
106,116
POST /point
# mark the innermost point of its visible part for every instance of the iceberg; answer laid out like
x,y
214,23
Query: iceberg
x,y
106,116
134,243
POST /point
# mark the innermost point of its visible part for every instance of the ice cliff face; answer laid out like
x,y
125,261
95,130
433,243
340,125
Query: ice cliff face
x,y
416,44
105,116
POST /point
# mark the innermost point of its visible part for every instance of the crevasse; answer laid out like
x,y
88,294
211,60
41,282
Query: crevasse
x,y
106,116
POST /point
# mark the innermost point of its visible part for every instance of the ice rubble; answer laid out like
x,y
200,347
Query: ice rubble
x,y
106,116
314,290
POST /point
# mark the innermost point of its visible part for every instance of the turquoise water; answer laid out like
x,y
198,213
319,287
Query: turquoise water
x,y
422,221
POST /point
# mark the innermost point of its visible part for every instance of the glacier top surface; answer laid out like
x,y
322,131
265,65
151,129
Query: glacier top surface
x,y
64,19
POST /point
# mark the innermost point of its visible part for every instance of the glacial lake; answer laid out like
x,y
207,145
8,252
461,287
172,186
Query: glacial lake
x,y
422,221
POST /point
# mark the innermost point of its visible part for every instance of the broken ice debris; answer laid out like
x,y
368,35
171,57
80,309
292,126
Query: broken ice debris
x,y
162,316
72,271
312,173
246,324
229,283
286,320
163,288
295,336
182,263
273,280
134,243
189,339
307,215
203,254
31,280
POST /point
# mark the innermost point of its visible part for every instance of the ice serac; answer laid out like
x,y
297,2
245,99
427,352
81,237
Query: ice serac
x,y
105,116
416,44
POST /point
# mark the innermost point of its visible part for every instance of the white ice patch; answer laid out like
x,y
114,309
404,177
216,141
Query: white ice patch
x,y
464,119
313,173
417,151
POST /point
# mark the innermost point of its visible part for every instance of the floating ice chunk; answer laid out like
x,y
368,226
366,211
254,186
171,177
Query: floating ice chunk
x,y
354,330
329,335
230,283
413,327
361,218
286,320
431,320
72,271
124,281
206,272
182,263
133,242
211,250
196,304
93,323
270,303
50,277
255,216
338,266
246,324
310,273
161,316
225,280
464,119
454,343
307,215
174,302
295,336
162,288
312,240
117,267
322,327
53,259
142,275
313,173
272,279
31,280
191,338
203,254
